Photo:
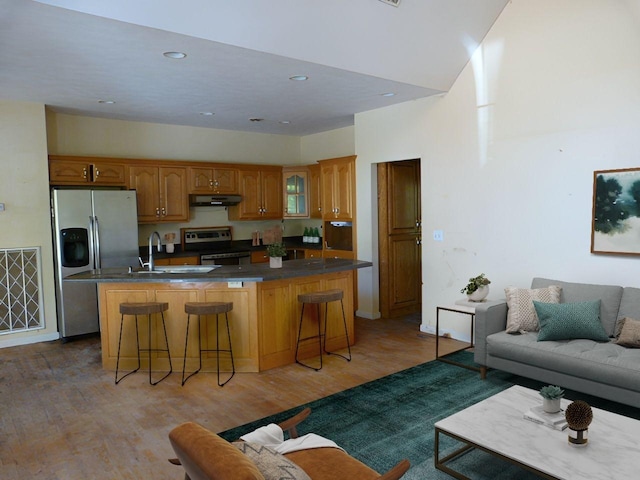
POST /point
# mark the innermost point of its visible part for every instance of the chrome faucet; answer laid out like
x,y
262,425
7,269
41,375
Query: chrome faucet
x,y
151,248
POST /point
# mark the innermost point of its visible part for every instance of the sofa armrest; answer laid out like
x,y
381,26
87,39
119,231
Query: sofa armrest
x,y
491,317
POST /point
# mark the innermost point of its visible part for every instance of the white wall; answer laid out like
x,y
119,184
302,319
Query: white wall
x,y
24,189
508,154
78,135
331,144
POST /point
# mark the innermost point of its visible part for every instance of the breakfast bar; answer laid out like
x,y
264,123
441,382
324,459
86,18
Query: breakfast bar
x,y
264,320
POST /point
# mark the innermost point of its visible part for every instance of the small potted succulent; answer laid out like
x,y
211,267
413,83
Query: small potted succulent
x,y
551,395
477,289
276,251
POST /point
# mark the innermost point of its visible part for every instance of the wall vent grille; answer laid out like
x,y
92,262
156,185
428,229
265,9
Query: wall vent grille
x,y
20,290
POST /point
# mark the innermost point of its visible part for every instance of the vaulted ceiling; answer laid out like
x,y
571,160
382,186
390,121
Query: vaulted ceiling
x,y
79,56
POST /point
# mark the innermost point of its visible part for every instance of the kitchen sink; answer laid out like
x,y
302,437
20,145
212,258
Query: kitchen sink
x,y
180,269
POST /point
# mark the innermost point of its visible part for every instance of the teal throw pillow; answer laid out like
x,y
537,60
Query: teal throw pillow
x,y
566,321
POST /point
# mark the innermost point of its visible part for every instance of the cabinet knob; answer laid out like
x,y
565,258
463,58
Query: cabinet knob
x,y
97,173
164,212
157,212
84,173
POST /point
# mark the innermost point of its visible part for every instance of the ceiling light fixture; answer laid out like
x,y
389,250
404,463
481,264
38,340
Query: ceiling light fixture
x,y
176,55
106,102
285,122
299,78
388,94
207,114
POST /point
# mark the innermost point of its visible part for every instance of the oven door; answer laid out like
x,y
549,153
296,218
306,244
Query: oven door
x,y
236,258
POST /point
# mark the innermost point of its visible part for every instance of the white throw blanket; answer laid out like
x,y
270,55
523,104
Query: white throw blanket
x,y
272,436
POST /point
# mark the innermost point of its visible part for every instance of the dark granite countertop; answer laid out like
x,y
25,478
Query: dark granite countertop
x,y
257,272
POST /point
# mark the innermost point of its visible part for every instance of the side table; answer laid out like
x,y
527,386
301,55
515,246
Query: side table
x,y
465,310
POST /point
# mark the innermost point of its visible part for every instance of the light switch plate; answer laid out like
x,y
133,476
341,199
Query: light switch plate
x,y
438,235
1,207
234,284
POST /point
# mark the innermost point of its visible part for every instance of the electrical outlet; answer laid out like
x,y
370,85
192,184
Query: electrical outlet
x,y
438,235
1,207
234,284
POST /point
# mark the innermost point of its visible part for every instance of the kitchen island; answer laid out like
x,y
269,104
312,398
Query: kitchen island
x,y
264,320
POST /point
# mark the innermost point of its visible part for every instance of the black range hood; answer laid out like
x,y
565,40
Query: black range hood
x,y
214,200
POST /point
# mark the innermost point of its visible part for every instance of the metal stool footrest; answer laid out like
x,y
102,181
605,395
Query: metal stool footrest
x,y
208,308
148,309
318,298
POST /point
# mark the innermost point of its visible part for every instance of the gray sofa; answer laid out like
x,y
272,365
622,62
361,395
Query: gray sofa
x,y
602,369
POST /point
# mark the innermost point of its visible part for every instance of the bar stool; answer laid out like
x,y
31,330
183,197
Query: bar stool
x,y
208,308
148,309
318,298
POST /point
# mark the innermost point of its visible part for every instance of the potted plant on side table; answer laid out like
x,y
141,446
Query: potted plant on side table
x,y
276,251
477,289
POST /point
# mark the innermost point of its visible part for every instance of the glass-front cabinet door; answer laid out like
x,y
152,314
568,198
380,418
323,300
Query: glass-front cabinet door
x,y
296,195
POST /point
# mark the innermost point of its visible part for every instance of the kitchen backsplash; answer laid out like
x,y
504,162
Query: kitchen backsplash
x,y
217,216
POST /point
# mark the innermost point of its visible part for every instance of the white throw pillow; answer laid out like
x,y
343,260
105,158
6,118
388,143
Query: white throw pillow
x,y
522,316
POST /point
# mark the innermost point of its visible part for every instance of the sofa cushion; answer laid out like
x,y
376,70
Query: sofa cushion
x,y
605,362
566,321
629,335
630,303
271,464
521,316
609,296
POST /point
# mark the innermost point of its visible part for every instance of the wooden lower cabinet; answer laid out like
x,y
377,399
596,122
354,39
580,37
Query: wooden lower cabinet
x,y
264,322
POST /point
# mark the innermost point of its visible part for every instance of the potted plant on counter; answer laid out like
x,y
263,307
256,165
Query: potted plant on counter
x,y
276,251
477,289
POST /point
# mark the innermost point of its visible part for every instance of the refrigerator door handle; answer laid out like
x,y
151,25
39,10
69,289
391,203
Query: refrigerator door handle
x,y
96,241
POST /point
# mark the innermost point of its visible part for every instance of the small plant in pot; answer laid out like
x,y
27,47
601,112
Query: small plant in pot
x,y
276,251
551,395
477,289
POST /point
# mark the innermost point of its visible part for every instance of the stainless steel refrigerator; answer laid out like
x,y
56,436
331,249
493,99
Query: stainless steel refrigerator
x,y
92,229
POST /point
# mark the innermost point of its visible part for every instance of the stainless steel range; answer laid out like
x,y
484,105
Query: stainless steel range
x,y
214,245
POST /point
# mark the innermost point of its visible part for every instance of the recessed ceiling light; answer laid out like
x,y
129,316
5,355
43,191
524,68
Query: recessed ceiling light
x,y
285,122
388,94
106,102
299,78
177,55
207,114
256,119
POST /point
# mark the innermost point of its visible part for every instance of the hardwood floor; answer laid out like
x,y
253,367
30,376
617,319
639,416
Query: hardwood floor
x,y
63,417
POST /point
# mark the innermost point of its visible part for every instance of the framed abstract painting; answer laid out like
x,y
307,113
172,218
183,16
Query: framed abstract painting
x,y
615,226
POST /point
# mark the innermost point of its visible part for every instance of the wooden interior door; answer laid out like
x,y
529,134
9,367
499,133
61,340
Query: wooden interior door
x,y
399,238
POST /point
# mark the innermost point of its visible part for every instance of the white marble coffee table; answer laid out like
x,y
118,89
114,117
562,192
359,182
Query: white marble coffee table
x,y
496,425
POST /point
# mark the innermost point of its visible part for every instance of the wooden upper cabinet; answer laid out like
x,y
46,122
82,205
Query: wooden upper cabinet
x,y
315,191
161,193
295,194
85,171
261,191
338,188
213,180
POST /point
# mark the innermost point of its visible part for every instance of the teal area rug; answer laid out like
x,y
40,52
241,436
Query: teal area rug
x,y
383,421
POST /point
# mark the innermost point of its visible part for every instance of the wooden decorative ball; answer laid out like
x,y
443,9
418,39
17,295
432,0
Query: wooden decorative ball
x,y
578,415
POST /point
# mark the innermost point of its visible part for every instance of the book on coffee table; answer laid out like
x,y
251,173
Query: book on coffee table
x,y
556,420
